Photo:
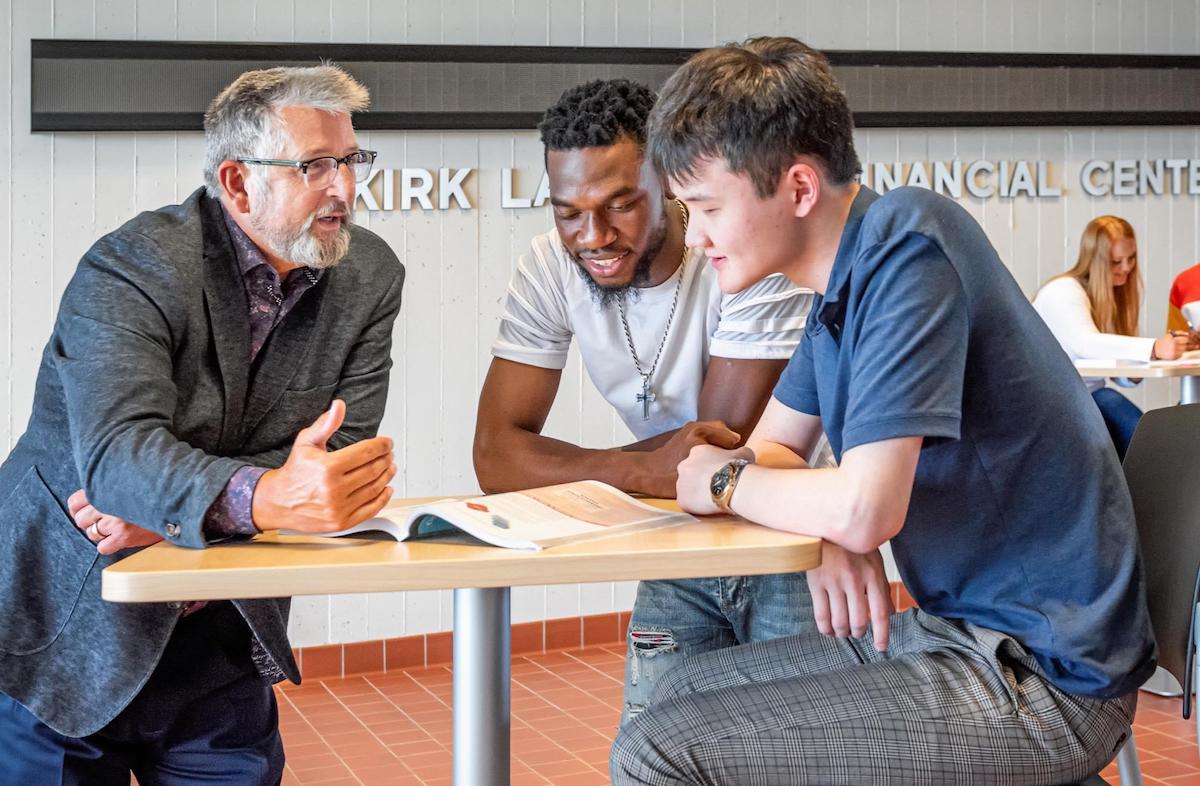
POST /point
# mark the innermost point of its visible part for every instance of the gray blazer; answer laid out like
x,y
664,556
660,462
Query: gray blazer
x,y
146,399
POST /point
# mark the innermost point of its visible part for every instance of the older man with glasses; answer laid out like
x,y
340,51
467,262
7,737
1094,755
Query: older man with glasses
x,y
217,368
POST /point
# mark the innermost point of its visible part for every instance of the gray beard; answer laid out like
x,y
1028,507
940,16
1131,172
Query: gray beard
x,y
301,247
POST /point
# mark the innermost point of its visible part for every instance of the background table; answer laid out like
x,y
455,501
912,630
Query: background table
x,y
1188,371
279,565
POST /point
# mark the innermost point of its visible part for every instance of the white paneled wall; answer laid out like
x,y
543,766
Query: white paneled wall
x,y
59,192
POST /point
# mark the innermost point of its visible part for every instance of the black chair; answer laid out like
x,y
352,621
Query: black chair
x,y
1164,481
1166,505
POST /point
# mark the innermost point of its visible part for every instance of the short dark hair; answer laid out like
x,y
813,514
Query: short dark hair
x,y
757,105
597,114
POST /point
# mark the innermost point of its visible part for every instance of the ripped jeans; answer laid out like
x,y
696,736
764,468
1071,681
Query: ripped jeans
x,y
678,618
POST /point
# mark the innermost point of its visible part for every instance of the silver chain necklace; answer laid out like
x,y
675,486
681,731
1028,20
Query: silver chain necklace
x,y
647,395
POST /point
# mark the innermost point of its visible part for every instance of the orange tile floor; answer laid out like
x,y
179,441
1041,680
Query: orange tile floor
x,y
395,728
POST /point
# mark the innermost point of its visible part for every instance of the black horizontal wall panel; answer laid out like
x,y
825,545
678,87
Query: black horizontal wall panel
x,y
165,85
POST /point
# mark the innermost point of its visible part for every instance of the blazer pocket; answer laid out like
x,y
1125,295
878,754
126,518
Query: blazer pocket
x,y
43,566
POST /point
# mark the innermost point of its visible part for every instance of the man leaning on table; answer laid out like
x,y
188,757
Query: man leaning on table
x,y
680,363
217,368
964,437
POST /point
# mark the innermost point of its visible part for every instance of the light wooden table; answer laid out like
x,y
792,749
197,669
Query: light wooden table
x,y
481,577
1187,370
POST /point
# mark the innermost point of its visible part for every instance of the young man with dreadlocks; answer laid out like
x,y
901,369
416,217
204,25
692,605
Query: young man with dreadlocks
x,y
681,363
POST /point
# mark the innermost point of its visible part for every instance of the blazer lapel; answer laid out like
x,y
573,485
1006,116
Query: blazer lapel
x,y
228,314
286,347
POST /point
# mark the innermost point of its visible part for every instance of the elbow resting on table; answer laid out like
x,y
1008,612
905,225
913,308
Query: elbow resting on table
x,y
492,458
866,527
484,460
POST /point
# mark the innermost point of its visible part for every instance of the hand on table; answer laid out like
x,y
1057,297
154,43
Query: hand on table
x,y
695,476
1174,344
320,491
109,533
660,476
849,591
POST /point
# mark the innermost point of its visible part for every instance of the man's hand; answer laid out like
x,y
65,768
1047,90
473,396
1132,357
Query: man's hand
x,y
695,475
318,491
109,533
661,463
848,591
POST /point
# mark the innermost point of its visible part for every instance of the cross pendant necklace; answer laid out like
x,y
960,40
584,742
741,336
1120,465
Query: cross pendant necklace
x,y
645,397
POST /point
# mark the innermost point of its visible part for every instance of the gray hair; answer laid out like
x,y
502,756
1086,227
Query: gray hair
x,y
243,121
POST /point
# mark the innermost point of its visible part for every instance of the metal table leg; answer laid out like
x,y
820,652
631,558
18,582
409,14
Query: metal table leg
x,y
1189,388
482,708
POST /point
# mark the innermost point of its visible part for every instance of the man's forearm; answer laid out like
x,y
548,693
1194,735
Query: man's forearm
x,y
772,454
521,460
650,443
809,502
859,505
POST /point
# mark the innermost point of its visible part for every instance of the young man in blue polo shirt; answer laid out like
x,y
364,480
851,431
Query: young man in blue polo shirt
x,y
964,436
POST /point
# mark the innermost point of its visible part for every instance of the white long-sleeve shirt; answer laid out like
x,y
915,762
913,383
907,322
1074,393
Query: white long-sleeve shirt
x,y
1064,305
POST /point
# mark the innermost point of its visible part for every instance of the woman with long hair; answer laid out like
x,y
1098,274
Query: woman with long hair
x,y
1092,309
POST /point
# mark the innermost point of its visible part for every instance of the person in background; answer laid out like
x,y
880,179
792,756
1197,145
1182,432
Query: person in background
x,y
1183,306
1092,310
680,363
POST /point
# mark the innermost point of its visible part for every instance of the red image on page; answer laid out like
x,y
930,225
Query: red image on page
x,y
478,507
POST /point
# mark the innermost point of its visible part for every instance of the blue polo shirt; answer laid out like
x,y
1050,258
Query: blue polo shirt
x,y
1020,519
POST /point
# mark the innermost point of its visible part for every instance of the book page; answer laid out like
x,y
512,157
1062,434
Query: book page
x,y
554,514
594,503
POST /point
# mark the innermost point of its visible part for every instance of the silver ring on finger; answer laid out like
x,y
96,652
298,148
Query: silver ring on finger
x,y
93,531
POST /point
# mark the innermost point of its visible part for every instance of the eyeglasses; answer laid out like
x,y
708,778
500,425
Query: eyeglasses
x,y
320,172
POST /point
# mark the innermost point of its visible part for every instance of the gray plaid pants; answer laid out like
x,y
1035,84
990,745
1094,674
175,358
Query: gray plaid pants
x,y
947,704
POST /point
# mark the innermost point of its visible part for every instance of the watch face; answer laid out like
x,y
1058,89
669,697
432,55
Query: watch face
x,y
720,480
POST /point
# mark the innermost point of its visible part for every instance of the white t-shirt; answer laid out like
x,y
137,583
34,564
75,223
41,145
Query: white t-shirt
x,y
549,301
1064,305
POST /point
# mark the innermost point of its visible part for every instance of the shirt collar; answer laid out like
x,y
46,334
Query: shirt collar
x,y
848,247
847,251
248,255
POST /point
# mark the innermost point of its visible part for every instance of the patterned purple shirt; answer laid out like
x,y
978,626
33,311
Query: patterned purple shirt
x,y
270,301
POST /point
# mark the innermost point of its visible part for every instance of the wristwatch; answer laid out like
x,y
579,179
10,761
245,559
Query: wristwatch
x,y
724,481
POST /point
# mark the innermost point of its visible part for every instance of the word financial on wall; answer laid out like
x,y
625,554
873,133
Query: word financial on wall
x,y
411,188
1012,179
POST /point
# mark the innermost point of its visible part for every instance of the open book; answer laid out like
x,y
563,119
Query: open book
x,y
533,519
